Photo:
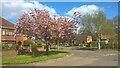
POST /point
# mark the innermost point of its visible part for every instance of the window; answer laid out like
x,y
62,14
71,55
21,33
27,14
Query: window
x,y
18,34
9,32
3,33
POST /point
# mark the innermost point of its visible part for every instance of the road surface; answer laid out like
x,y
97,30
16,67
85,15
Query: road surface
x,y
83,58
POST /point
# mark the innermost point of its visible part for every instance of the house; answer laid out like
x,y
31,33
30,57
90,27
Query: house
x,y
89,39
20,38
104,37
0,30
7,33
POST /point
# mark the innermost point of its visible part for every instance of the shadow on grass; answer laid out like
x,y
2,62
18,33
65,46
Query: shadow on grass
x,y
43,53
85,48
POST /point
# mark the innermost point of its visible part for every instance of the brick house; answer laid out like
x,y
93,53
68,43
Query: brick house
x,y
104,37
7,33
89,39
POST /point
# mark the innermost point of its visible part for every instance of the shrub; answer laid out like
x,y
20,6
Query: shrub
x,y
43,44
110,44
103,44
94,44
38,42
34,46
27,43
6,47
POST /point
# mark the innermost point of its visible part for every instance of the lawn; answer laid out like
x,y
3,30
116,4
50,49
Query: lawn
x,y
36,57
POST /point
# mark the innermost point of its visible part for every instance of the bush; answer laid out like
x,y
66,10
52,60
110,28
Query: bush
x,y
103,44
6,47
27,43
113,44
34,46
38,42
43,44
94,44
110,45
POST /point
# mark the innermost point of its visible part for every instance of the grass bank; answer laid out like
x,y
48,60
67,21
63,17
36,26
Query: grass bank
x,y
36,57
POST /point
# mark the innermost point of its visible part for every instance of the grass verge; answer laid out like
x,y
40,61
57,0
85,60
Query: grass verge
x,y
36,57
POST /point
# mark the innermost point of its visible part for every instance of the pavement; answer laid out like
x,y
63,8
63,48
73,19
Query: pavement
x,y
82,58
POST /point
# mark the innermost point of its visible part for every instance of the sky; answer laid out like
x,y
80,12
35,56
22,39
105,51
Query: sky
x,y
12,10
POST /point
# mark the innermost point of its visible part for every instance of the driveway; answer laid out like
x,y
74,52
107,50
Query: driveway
x,y
82,58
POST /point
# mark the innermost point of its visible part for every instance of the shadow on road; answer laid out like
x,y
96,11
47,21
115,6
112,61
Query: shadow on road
x,y
85,48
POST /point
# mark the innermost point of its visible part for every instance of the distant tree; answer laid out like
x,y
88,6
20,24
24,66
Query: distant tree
x,y
115,23
97,25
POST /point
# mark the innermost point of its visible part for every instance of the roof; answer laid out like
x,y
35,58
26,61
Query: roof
x,y
6,23
104,37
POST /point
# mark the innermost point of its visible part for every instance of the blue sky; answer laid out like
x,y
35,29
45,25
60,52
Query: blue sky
x,y
60,8
110,8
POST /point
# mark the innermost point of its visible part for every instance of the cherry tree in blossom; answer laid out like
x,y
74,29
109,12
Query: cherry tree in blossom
x,y
39,23
64,26
36,22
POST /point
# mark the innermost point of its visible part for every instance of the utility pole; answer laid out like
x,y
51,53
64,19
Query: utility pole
x,y
99,40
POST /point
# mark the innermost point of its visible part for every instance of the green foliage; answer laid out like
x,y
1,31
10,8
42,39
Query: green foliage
x,y
43,44
6,47
98,24
38,42
113,44
94,44
34,46
110,45
102,43
27,43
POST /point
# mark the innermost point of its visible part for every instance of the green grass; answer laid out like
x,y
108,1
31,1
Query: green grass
x,y
37,57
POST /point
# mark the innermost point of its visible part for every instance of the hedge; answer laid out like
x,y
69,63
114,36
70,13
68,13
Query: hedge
x,y
94,44
110,45
6,47
27,43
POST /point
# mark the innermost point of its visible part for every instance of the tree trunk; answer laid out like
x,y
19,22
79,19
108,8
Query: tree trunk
x,y
47,48
58,43
99,44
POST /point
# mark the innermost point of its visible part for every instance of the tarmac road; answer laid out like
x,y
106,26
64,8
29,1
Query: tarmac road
x,y
83,58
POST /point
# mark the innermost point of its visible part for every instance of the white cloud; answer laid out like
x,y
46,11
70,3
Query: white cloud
x,y
42,7
14,8
85,9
